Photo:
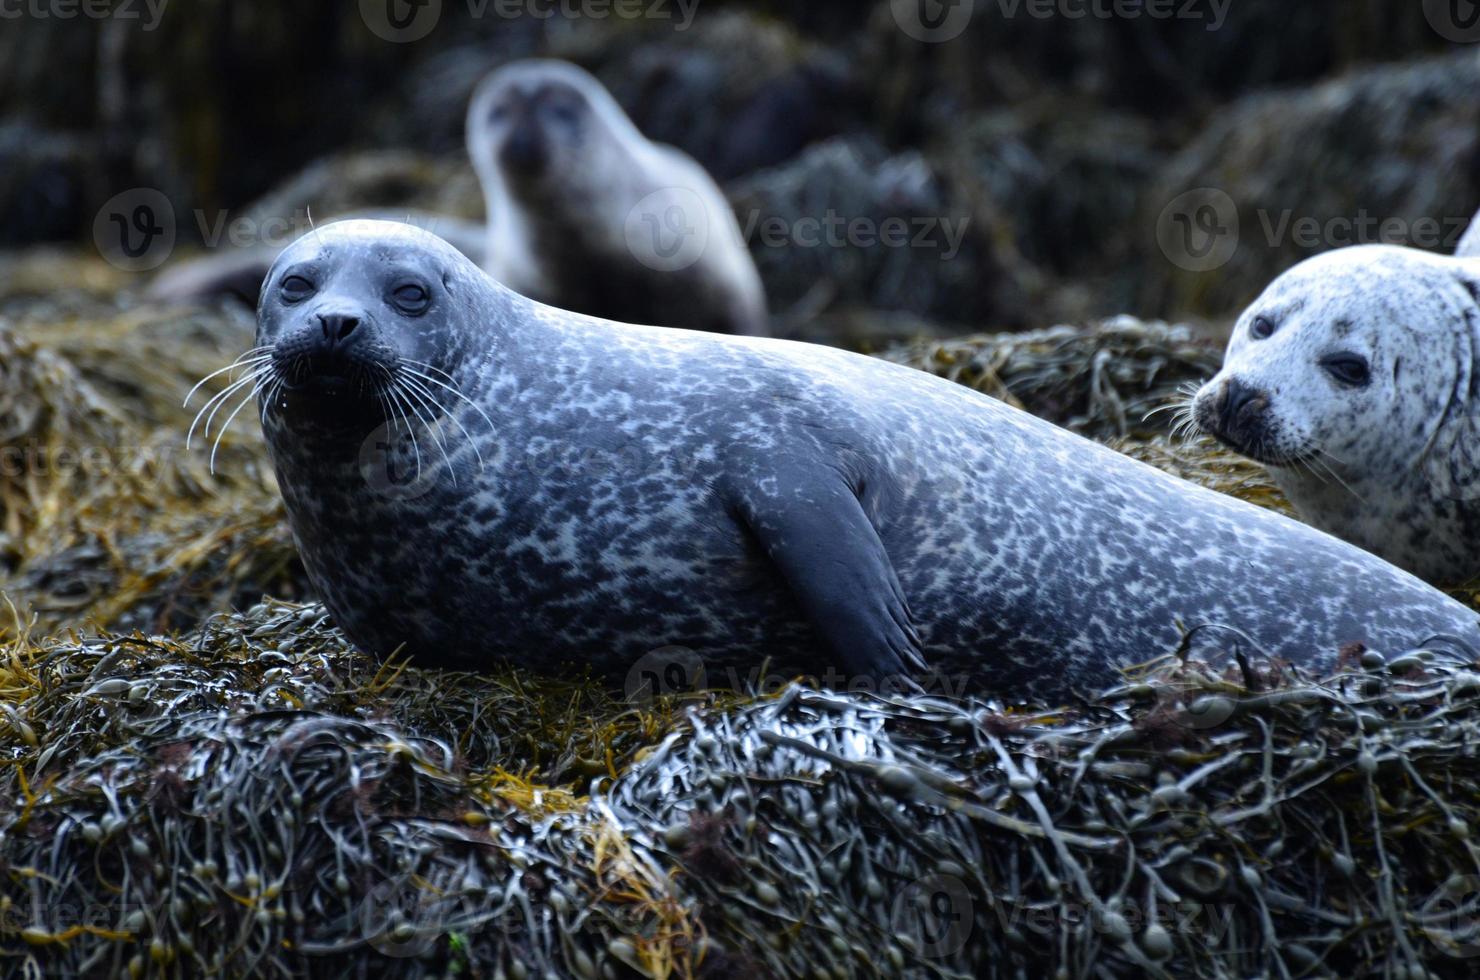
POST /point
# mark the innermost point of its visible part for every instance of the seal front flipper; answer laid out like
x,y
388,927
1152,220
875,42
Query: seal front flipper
x,y
814,529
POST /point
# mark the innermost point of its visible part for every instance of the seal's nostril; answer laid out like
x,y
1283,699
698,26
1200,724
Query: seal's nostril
x,y
337,327
1236,397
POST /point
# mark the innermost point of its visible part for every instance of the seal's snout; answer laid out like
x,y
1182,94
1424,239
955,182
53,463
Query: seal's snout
x,y
525,151
330,345
1242,405
1235,413
336,328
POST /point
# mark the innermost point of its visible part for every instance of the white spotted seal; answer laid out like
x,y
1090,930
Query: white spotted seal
x,y
587,214
1353,378
596,490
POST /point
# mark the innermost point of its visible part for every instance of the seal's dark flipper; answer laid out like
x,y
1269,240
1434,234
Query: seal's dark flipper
x,y
815,530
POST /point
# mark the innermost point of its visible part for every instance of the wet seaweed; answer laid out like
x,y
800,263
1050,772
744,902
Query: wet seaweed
x,y
256,799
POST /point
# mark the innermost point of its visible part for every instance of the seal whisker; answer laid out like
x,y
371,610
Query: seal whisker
x,y
262,382
271,394
414,385
256,358
430,426
395,397
218,400
474,405
433,368
1334,475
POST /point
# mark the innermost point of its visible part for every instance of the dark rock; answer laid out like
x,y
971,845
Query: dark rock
x,y
817,229
1398,144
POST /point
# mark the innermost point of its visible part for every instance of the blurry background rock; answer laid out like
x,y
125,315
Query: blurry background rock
x,y
1060,139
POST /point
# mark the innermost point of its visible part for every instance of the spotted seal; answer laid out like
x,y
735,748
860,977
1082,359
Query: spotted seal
x,y
592,491
1353,378
587,214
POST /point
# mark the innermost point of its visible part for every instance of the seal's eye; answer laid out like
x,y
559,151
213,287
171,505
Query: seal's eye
x,y
1262,328
411,299
1349,369
295,289
563,112
499,112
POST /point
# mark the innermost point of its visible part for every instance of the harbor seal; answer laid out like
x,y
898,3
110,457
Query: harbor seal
x,y
1353,379
593,491
587,214
583,213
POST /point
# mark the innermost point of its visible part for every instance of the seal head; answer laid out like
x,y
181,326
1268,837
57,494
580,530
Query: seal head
x,y
1352,378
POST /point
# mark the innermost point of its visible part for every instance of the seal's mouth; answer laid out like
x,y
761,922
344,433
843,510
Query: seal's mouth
x,y
1238,416
338,377
1262,452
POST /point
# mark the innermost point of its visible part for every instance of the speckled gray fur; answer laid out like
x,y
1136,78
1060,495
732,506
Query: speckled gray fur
x,y
1393,464
645,487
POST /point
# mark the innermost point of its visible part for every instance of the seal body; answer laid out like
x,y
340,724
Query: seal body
x,y
609,490
1353,379
586,214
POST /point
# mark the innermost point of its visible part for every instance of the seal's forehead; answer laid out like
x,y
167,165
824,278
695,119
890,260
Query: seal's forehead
x,y
533,74
367,240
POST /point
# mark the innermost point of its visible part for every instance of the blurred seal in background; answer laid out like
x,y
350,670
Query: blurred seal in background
x,y
1354,380
474,477
585,213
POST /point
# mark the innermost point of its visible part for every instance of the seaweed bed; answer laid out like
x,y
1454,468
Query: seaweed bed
x,y
186,789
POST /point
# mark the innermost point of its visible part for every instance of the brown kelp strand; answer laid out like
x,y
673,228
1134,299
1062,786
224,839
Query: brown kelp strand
x,y
256,799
